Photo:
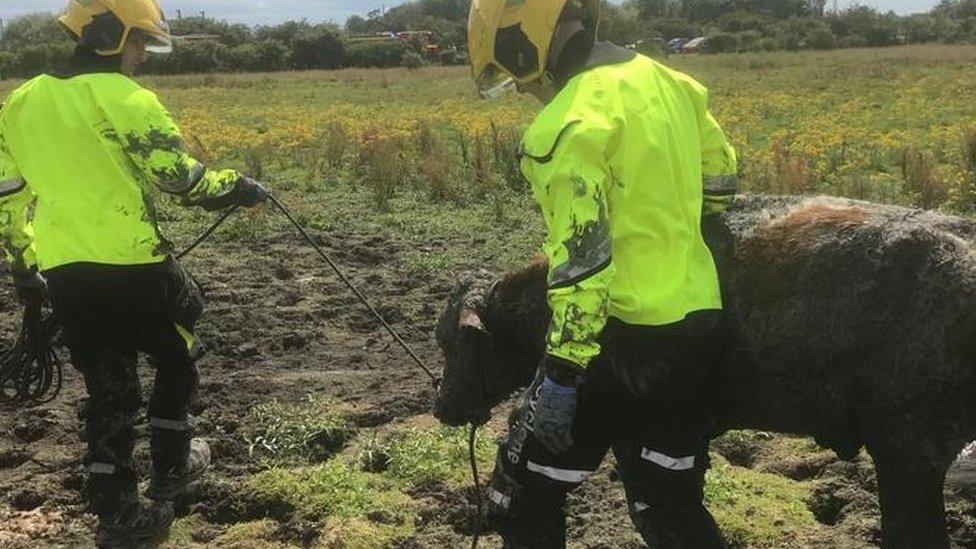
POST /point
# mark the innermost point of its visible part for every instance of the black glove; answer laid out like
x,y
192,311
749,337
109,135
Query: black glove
x,y
250,193
30,286
555,409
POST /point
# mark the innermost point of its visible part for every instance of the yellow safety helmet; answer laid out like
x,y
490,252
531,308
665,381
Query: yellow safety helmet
x,y
107,24
509,40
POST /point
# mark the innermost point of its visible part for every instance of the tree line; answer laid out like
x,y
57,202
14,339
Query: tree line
x,y
767,25
35,43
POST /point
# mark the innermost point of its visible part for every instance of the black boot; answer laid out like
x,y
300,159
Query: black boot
x,y
135,526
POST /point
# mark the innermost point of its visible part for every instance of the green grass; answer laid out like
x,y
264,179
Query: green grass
x,y
757,509
315,429
440,455
836,122
341,495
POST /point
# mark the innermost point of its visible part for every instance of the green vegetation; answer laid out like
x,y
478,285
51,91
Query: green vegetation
x,y
313,429
364,500
757,509
411,156
439,455
335,489
35,43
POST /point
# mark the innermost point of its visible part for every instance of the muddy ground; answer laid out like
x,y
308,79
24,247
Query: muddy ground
x,y
281,326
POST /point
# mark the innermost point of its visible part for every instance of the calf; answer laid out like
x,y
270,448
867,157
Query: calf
x,y
850,322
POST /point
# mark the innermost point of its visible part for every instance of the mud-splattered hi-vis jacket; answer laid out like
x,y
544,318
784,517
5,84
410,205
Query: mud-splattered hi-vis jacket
x,y
625,162
79,158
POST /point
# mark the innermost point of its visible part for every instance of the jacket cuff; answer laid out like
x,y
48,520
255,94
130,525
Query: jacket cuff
x,y
562,371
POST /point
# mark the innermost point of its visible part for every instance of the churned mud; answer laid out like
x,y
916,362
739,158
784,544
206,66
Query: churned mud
x,y
280,326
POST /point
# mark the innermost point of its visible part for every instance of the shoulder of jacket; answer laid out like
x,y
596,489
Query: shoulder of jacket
x,y
693,87
20,91
582,104
118,87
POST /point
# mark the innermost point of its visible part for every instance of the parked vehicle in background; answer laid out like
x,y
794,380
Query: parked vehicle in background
x,y
676,44
697,45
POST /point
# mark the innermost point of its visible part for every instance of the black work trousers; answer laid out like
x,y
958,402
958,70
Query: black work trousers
x,y
650,398
111,314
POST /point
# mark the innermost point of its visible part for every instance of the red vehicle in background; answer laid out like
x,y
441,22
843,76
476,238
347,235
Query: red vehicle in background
x,y
429,47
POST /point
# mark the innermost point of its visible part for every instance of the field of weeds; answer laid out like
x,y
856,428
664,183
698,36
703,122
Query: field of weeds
x,y
320,427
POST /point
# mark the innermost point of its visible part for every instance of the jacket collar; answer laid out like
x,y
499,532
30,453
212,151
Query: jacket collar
x,y
607,53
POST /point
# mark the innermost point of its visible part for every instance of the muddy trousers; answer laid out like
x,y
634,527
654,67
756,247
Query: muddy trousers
x,y
111,314
650,399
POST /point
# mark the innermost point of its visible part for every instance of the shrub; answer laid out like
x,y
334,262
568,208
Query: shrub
x,y
411,60
377,55
919,170
791,172
265,56
336,142
281,433
723,42
383,167
317,47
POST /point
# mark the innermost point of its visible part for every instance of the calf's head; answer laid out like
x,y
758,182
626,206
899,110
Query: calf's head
x,y
491,335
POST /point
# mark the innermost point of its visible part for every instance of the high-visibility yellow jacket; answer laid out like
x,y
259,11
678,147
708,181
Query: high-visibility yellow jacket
x,y
79,158
624,162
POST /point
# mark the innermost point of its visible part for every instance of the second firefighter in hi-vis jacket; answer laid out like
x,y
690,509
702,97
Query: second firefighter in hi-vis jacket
x,y
624,160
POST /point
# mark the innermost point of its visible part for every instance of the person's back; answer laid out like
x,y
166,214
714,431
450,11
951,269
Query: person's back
x,y
92,203
651,125
81,157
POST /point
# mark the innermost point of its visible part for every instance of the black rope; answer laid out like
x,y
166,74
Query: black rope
x,y
478,496
213,228
32,372
362,298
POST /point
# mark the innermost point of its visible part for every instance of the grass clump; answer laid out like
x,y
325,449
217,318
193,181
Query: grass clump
x,y
741,448
438,455
250,535
757,509
314,429
345,499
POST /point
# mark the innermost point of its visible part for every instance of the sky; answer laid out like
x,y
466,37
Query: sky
x,y
272,11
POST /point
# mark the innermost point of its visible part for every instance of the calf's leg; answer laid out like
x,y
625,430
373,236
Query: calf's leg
x,y
912,501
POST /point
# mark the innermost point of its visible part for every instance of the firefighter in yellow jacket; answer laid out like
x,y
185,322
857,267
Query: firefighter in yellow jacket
x,y
82,154
624,159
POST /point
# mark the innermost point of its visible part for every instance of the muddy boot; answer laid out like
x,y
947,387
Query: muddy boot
x,y
172,479
136,526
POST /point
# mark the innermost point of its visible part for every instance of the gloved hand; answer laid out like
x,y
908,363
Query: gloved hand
x,y
250,193
555,412
30,285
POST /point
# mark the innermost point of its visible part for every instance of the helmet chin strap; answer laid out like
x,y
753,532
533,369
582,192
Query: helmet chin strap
x,y
565,34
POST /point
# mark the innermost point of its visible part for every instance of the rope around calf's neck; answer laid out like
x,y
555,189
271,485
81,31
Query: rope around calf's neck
x,y
478,497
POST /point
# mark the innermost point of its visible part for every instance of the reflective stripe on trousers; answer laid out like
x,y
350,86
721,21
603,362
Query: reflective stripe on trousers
x,y
668,462
562,475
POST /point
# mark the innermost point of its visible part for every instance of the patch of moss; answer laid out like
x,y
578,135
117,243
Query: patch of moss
x,y
757,509
250,535
181,533
439,455
339,494
355,533
313,429
741,448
